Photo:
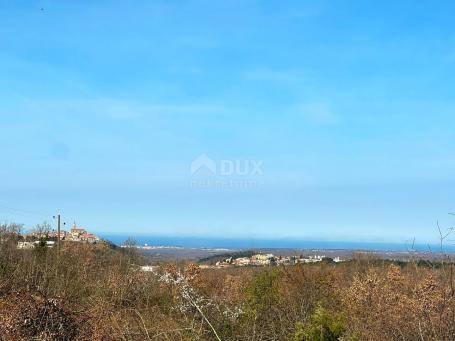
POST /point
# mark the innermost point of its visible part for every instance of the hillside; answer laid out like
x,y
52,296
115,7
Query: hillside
x,y
96,292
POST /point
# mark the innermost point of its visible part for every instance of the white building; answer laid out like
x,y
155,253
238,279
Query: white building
x,y
25,245
243,261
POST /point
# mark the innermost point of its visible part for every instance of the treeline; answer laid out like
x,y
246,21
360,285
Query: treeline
x,y
222,256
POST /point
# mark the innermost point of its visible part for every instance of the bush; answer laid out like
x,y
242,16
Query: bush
x,y
324,326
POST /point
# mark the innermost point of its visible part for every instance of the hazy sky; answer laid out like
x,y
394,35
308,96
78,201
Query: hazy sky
x,y
347,109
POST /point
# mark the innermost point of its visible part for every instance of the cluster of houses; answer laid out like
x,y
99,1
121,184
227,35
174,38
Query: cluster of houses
x,y
76,234
270,259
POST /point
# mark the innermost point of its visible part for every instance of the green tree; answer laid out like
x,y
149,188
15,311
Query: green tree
x,y
262,293
324,326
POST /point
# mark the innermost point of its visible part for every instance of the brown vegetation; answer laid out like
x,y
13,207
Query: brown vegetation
x,y
94,292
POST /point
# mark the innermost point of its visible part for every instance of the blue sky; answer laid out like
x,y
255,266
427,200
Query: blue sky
x,y
348,106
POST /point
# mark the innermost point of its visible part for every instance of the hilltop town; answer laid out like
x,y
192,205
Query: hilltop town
x,y
50,237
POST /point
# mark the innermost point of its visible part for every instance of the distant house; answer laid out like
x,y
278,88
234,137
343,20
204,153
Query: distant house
x,y
261,259
312,259
149,268
79,234
25,245
88,237
243,261
32,245
49,243
76,232
286,260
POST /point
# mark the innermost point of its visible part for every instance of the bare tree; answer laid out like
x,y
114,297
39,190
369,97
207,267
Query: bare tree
x,y
10,231
42,230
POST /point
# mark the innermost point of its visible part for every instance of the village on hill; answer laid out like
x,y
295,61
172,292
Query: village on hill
x,y
261,259
50,237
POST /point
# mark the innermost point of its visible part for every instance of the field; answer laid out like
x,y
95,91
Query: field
x,y
97,292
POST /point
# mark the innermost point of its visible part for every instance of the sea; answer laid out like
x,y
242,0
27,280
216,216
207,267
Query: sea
x,y
249,243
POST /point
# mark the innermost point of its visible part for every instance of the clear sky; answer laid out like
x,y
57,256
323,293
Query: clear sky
x,y
347,107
